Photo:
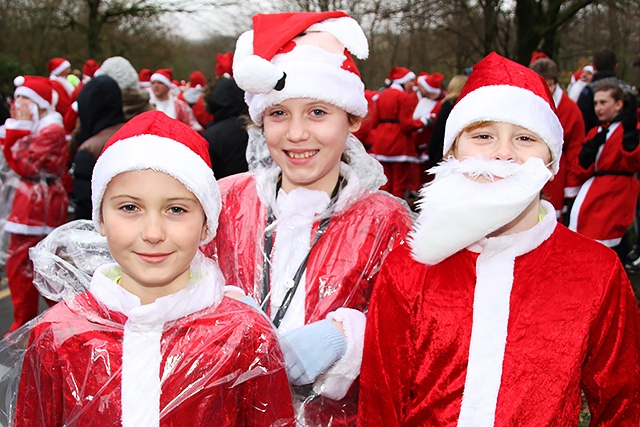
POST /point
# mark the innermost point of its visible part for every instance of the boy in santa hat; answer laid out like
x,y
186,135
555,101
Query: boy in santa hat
x,y
153,341
164,100
34,146
493,313
304,232
392,139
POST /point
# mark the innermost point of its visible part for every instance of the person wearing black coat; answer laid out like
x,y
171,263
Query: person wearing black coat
x,y
227,133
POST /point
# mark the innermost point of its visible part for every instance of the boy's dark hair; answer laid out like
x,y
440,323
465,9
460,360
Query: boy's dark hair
x,y
547,68
605,60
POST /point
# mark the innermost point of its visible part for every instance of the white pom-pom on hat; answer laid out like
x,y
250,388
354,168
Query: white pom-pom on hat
x,y
18,81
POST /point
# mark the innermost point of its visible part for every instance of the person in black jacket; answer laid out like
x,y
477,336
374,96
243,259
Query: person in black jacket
x,y
227,132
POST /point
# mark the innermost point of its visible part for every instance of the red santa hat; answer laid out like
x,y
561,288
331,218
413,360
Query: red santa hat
x,y
224,64
144,77
57,65
164,76
501,90
36,88
432,83
301,55
400,75
197,80
153,140
537,55
89,68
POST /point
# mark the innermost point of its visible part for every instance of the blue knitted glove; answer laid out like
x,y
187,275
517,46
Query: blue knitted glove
x,y
312,349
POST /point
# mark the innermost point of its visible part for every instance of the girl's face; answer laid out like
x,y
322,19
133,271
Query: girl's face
x,y
501,141
605,105
306,138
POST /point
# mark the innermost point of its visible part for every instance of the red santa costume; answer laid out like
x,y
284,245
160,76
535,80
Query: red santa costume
x,y
36,150
392,139
62,87
427,111
605,205
469,330
193,96
326,249
172,106
566,183
190,358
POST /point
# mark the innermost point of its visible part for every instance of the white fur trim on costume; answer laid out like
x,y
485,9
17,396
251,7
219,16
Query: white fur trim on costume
x,y
337,380
509,104
14,124
311,72
29,230
422,81
163,155
162,79
494,281
32,95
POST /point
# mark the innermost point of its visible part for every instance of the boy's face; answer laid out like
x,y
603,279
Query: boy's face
x,y
501,141
153,226
306,138
605,105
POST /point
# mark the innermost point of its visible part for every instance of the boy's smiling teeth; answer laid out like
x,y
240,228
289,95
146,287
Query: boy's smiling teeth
x,y
303,155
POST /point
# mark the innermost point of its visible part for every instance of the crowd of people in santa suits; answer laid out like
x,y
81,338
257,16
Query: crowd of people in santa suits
x,y
52,144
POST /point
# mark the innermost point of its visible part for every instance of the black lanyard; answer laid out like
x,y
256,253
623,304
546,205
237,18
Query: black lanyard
x,y
266,262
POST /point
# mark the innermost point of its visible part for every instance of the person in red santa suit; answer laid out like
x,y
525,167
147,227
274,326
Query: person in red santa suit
x,y
392,138
59,69
493,313
564,187
430,95
304,232
605,205
34,146
153,341
164,100
192,95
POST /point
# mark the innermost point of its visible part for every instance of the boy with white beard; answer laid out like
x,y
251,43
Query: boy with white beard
x,y
494,314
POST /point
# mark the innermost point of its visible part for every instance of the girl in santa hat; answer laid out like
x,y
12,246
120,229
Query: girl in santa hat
x,y
150,339
493,313
305,231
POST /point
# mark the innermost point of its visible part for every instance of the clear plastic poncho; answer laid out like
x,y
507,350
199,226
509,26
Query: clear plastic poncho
x,y
100,358
269,240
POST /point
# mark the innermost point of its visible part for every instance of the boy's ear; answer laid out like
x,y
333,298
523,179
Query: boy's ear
x,y
205,229
102,232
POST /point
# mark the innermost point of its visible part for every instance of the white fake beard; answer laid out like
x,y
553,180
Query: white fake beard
x,y
456,210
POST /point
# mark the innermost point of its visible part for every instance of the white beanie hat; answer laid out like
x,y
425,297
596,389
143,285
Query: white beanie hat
x,y
120,70
153,140
502,90
301,55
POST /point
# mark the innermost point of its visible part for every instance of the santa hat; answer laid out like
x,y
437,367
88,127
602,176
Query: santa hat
x,y
197,80
432,83
164,76
224,64
501,90
153,140
400,75
301,55
89,68
36,88
537,55
57,65
144,77
120,70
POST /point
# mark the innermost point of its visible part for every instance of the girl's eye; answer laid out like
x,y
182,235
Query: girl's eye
x,y
526,138
128,208
176,210
317,112
482,136
276,113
